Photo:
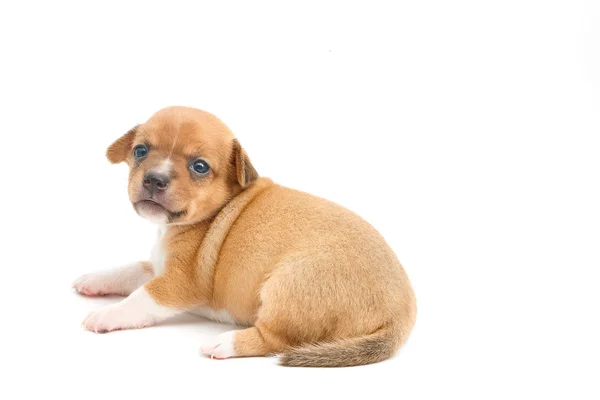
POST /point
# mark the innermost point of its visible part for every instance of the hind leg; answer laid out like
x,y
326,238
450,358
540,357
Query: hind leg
x,y
252,342
289,315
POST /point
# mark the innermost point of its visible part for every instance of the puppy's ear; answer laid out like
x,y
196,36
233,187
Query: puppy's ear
x,y
245,172
117,152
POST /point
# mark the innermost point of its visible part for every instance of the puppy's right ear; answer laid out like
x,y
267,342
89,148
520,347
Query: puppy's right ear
x,y
117,152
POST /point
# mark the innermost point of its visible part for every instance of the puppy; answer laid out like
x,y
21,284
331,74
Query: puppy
x,y
308,279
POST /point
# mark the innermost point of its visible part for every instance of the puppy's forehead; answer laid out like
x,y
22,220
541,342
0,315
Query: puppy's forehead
x,y
186,131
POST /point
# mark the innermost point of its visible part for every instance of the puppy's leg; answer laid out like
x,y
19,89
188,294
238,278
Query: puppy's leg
x,y
139,310
166,295
121,281
252,342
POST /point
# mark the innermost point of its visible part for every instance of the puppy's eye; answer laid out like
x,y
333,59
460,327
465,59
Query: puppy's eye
x,y
200,167
140,151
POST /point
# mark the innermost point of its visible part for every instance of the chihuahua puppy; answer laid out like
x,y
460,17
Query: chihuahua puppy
x,y
309,280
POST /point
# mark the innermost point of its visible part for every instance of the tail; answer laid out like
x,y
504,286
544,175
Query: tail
x,y
368,349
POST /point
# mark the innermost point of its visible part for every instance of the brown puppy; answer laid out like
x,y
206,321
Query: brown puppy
x,y
311,280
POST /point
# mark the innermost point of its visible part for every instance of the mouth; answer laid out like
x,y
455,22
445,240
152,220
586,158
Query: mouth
x,y
151,207
153,210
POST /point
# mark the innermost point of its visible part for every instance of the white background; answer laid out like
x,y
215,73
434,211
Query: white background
x,y
467,132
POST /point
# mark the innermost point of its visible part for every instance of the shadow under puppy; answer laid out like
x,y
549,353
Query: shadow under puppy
x,y
311,280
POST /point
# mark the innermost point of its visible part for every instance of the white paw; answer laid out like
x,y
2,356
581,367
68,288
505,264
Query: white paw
x,y
112,318
220,347
94,285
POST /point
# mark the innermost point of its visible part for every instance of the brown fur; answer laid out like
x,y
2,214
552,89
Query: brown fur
x,y
147,267
315,282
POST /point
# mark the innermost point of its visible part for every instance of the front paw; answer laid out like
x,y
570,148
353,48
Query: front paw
x,y
113,318
93,285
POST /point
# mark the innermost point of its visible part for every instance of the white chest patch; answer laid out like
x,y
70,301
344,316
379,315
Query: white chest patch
x,y
219,316
158,255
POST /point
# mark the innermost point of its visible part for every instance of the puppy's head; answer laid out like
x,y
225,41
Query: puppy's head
x,y
185,165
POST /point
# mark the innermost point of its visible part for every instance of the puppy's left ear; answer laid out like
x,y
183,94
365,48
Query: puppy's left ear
x,y
117,152
245,172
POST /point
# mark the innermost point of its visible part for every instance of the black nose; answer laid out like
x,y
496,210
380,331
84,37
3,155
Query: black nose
x,y
156,182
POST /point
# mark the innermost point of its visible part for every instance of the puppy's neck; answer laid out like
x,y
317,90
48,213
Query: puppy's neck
x,y
173,230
